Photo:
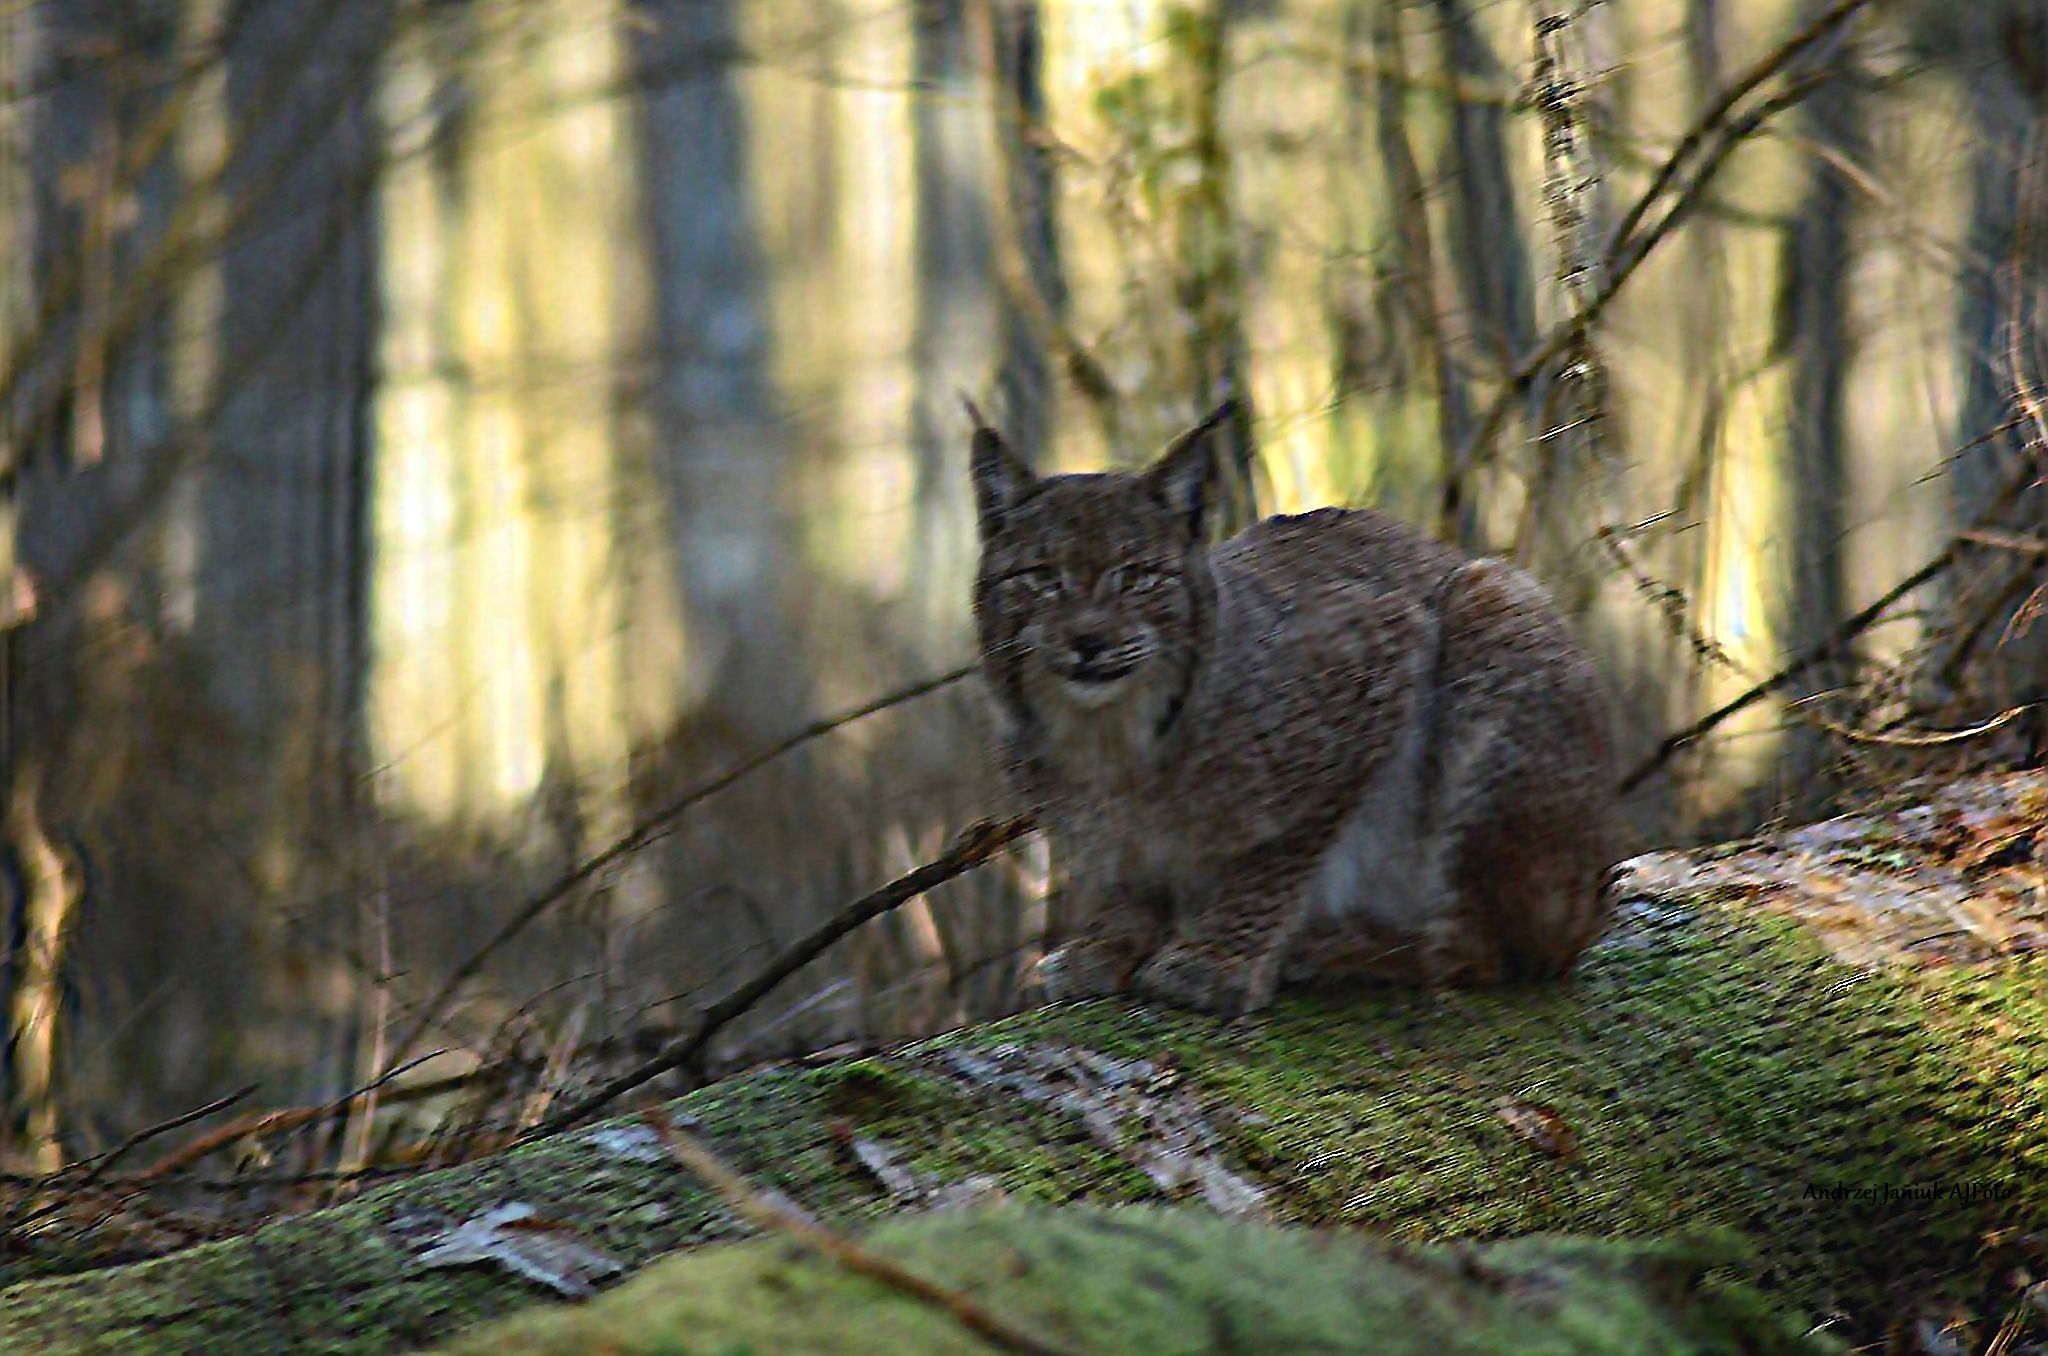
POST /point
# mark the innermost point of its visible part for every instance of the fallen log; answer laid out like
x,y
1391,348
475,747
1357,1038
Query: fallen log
x,y
1869,1117
1148,1282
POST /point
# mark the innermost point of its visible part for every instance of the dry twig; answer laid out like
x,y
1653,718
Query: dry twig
x,y
1837,640
644,833
769,1215
975,845
272,1122
1916,739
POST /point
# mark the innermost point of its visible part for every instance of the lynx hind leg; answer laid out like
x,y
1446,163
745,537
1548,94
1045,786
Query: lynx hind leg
x,y
1522,781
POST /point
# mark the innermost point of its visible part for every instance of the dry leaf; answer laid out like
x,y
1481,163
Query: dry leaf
x,y
1541,1128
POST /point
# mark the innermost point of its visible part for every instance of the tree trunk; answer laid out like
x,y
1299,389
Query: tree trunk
x,y
1813,333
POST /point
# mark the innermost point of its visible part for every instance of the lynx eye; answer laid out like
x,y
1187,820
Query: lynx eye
x,y
1138,579
1037,581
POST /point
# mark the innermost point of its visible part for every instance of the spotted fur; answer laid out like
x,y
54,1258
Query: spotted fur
x,y
1327,748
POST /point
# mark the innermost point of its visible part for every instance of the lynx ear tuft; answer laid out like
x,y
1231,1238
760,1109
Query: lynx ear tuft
x,y
1000,477
1185,476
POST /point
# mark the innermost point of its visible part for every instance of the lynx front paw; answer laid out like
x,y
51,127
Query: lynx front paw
x,y
1086,970
1208,980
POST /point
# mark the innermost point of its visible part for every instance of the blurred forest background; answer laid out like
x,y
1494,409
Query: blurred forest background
x,y
437,437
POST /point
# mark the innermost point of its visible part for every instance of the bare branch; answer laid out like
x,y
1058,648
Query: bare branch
x,y
1836,641
1717,112
98,1166
770,1215
647,831
271,1122
975,845
1629,247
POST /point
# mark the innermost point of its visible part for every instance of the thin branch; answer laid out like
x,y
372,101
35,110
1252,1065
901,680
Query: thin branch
x,y
2006,541
1632,253
1835,642
1921,739
771,1216
95,1168
107,1160
290,1118
1716,113
1827,648
645,832
975,845
1570,332
2003,612
1629,249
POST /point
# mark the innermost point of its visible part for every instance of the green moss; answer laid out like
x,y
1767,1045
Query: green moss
x,y
1166,1283
1713,1069
1711,1066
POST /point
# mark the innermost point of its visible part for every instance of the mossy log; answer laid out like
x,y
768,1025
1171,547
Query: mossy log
x,y
1874,1134
1147,1282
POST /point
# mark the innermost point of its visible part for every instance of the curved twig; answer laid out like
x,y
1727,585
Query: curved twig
x,y
641,835
975,845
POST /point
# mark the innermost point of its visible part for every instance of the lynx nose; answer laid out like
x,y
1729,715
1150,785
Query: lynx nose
x,y
1089,647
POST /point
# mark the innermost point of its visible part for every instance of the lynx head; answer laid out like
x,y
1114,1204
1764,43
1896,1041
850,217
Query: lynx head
x,y
1094,590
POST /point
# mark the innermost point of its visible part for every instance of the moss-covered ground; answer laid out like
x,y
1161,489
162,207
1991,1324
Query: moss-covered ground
x,y
1707,1066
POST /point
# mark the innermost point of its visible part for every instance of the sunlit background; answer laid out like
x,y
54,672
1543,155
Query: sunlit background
x,y
440,432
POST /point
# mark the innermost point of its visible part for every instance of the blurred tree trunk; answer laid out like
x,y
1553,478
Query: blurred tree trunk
x,y
1025,239
1571,467
1289,222
86,386
281,524
1414,354
1999,335
955,338
21,66
528,636
283,556
1486,242
957,341
39,889
1148,240
1211,285
1813,334
1663,673
22,52
724,453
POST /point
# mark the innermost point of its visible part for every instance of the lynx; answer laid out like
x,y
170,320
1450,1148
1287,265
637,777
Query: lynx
x,y
1329,748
